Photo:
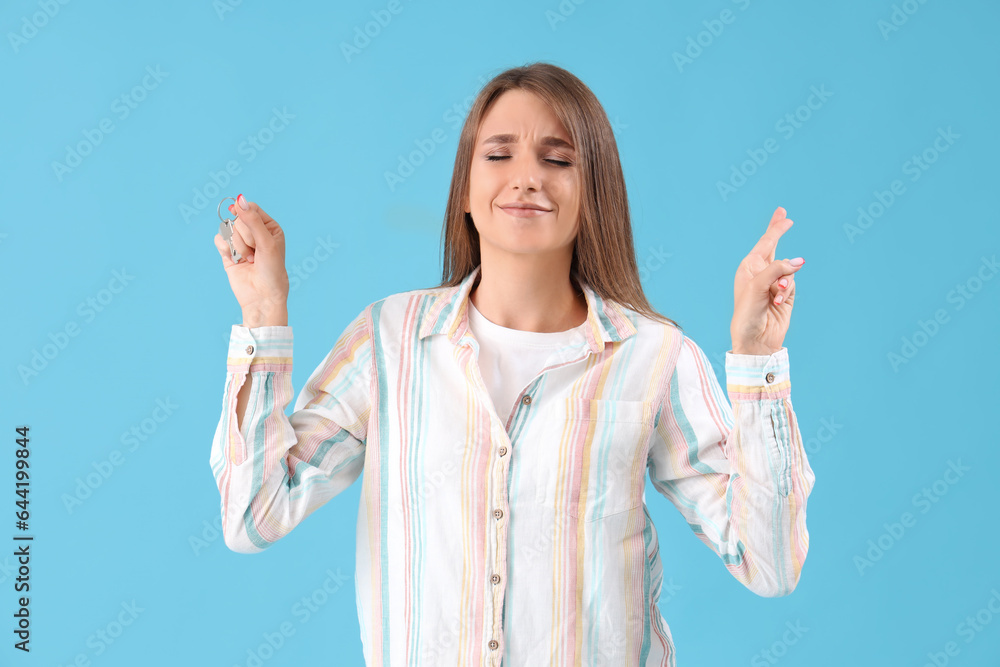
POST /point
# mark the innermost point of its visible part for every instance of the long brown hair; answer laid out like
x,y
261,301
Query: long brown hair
x,y
603,254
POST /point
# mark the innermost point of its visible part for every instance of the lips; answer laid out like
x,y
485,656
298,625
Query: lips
x,y
521,212
523,205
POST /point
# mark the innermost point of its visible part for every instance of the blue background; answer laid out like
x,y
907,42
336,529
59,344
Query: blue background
x,y
682,128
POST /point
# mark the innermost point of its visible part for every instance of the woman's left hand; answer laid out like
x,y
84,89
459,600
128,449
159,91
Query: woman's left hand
x,y
764,293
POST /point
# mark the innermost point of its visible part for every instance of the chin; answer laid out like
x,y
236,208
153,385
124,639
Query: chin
x,y
522,248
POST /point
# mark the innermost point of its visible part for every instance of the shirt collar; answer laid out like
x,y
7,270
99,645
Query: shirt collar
x,y
448,313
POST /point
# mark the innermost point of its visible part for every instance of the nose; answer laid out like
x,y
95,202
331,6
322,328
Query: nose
x,y
525,172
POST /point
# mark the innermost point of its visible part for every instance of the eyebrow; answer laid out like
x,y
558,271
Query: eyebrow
x,y
512,139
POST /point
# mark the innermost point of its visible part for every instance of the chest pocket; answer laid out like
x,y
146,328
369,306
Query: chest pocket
x,y
608,439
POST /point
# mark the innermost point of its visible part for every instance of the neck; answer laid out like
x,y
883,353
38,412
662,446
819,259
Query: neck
x,y
523,293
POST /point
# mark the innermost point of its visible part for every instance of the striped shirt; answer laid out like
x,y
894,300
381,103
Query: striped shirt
x,y
527,541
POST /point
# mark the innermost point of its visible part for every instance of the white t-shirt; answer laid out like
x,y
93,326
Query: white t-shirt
x,y
510,358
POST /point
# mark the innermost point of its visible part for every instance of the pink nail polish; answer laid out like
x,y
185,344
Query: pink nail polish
x,y
243,203
798,261
782,283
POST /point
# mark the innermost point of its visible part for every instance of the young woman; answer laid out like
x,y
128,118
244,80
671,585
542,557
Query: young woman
x,y
505,420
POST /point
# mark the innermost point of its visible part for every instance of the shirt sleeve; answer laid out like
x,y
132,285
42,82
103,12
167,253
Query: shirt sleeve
x,y
273,471
738,474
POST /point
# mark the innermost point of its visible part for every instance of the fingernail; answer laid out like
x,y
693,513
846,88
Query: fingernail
x,y
243,203
232,208
798,261
778,299
782,283
250,258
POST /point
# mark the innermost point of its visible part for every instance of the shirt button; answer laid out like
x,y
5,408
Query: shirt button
x,y
494,644
526,400
769,377
502,450
495,578
249,349
497,514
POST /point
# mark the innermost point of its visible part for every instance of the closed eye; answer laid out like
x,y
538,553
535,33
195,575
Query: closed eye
x,y
561,163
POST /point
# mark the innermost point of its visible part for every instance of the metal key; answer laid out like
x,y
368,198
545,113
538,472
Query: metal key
x,y
226,229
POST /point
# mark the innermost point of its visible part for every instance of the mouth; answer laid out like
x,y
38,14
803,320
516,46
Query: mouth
x,y
524,210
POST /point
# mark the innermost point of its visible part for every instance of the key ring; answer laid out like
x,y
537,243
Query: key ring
x,y
226,230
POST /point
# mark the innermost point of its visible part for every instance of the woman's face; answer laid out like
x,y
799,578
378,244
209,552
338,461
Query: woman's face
x,y
523,156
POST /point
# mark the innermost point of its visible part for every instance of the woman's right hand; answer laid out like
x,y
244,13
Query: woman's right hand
x,y
259,281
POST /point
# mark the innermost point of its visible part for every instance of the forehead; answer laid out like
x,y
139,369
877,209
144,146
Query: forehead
x,y
521,112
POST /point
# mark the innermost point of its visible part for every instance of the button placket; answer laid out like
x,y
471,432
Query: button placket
x,y
500,486
500,545
564,359
500,477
